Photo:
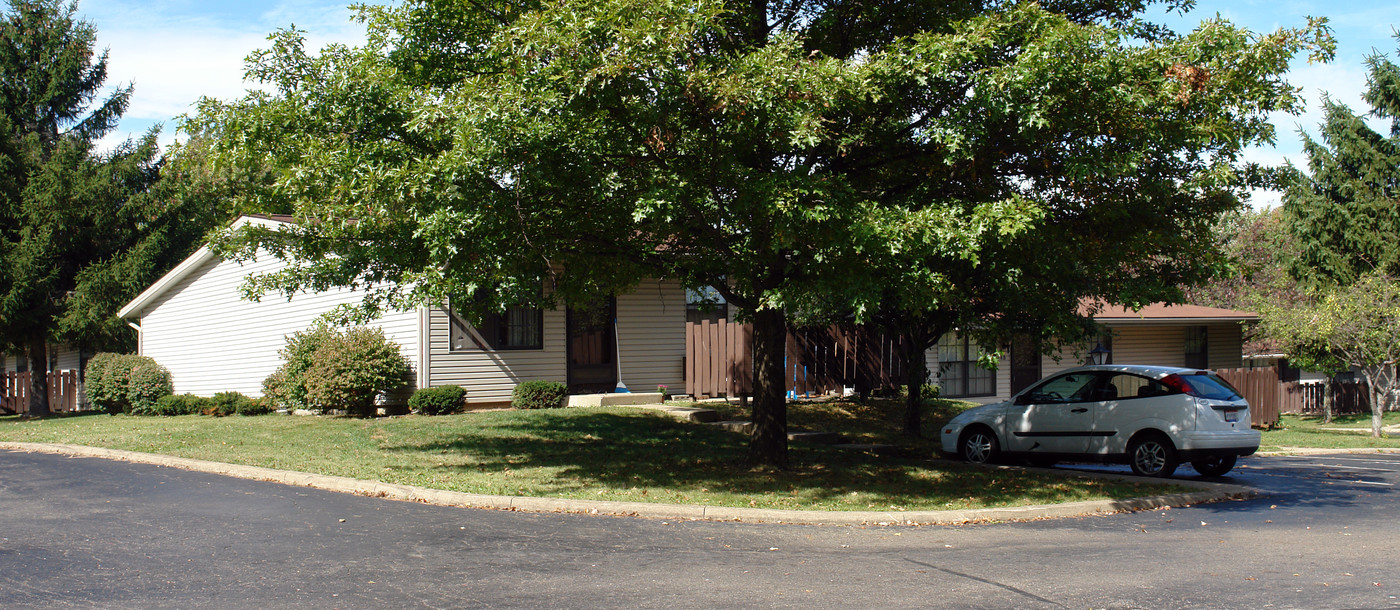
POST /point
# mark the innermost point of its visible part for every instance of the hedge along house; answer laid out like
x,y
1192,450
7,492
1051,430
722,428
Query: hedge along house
x,y
1158,334
195,322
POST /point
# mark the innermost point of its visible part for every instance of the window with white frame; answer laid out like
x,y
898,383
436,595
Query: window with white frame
x,y
958,373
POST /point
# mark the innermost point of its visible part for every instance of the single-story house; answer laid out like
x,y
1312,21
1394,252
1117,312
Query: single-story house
x,y
61,358
1159,334
195,322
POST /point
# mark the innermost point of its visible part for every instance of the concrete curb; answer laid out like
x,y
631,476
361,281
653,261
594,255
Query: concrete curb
x,y
1210,492
1287,451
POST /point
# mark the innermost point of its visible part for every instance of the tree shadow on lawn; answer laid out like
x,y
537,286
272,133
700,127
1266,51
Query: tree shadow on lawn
x,y
591,450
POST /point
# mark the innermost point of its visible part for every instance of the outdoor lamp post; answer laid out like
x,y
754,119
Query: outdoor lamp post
x,y
1099,354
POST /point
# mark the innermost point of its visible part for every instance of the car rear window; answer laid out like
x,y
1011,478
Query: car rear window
x,y
1209,386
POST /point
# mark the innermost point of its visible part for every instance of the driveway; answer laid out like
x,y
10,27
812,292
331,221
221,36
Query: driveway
x,y
89,532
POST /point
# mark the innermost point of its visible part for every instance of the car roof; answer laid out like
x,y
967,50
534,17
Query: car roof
x,y
1151,371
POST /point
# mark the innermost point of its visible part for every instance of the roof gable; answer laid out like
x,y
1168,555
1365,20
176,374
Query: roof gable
x,y
189,265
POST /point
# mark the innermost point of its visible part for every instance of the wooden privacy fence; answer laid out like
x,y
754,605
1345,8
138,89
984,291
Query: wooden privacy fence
x,y
719,359
1268,397
14,392
1306,398
1261,388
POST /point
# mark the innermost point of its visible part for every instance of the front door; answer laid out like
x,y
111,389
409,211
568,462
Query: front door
x,y
1025,362
592,348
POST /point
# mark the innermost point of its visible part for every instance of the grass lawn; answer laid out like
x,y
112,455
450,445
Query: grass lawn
x,y
1309,431
595,453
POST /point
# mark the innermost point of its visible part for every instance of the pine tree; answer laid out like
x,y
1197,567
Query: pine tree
x,y
1343,213
80,229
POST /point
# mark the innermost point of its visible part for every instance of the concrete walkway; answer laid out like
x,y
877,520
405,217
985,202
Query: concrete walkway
x,y
1206,492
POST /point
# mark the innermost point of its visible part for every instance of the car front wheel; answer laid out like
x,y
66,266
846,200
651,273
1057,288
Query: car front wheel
x,y
1152,456
979,446
1215,465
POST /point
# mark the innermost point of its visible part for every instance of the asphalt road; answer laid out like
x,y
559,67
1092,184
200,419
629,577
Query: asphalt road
x,y
94,533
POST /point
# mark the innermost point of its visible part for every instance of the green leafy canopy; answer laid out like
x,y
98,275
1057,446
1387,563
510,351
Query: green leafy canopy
x,y
962,162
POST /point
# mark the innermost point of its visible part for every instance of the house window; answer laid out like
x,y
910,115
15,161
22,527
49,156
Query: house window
x,y
21,364
958,373
705,304
1196,348
516,328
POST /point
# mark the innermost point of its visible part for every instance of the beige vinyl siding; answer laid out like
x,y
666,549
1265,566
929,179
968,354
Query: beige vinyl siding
x,y
1225,346
213,340
68,359
1151,345
651,348
651,336
489,376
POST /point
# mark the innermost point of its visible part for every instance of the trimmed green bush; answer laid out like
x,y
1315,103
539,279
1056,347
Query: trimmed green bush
x,y
224,404
103,390
253,406
327,369
171,405
539,395
125,383
438,401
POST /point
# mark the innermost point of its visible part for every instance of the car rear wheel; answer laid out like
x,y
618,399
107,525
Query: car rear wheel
x,y
1152,455
979,446
1215,465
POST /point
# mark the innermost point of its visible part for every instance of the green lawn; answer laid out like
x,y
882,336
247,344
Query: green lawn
x,y
1309,431
592,453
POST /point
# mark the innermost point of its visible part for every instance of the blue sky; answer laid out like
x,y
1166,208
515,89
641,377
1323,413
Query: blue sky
x,y
174,51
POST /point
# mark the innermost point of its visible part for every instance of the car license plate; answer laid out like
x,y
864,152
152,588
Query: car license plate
x,y
1232,415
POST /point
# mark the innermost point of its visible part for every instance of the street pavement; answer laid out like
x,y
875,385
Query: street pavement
x,y
89,532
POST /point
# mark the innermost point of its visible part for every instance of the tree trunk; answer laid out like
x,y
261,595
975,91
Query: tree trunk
x,y
915,373
38,377
1377,407
768,445
1329,391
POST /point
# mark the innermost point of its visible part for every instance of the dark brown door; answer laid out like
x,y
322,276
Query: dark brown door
x,y
1025,362
592,348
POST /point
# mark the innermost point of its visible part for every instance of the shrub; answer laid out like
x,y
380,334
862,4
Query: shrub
x,y
539,395
224,404
438,401
101,386
125,383
253,406
326,369
174,404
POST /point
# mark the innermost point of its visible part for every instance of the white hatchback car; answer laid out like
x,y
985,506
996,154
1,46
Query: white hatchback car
x,y
1151,417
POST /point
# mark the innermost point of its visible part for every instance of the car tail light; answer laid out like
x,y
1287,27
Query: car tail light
x,y
1177,384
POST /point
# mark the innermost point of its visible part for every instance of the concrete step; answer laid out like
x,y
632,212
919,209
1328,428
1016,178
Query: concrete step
x,y
819,438
734,425
615,399
695,414
876,448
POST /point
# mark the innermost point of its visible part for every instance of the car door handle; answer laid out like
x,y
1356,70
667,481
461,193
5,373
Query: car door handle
x,y
1079,410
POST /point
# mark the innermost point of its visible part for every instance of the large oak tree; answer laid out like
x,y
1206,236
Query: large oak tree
x,y
952,163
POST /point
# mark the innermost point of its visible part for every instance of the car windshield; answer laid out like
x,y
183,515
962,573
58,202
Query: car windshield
x,y
1210,386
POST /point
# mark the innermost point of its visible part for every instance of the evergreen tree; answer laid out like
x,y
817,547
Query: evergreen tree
x,y
1343,213
81,230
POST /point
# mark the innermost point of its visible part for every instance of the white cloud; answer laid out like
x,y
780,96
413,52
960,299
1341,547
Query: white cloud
x,y
175,51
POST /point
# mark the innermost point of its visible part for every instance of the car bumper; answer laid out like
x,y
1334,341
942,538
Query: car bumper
x,y
1230,442
949,439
